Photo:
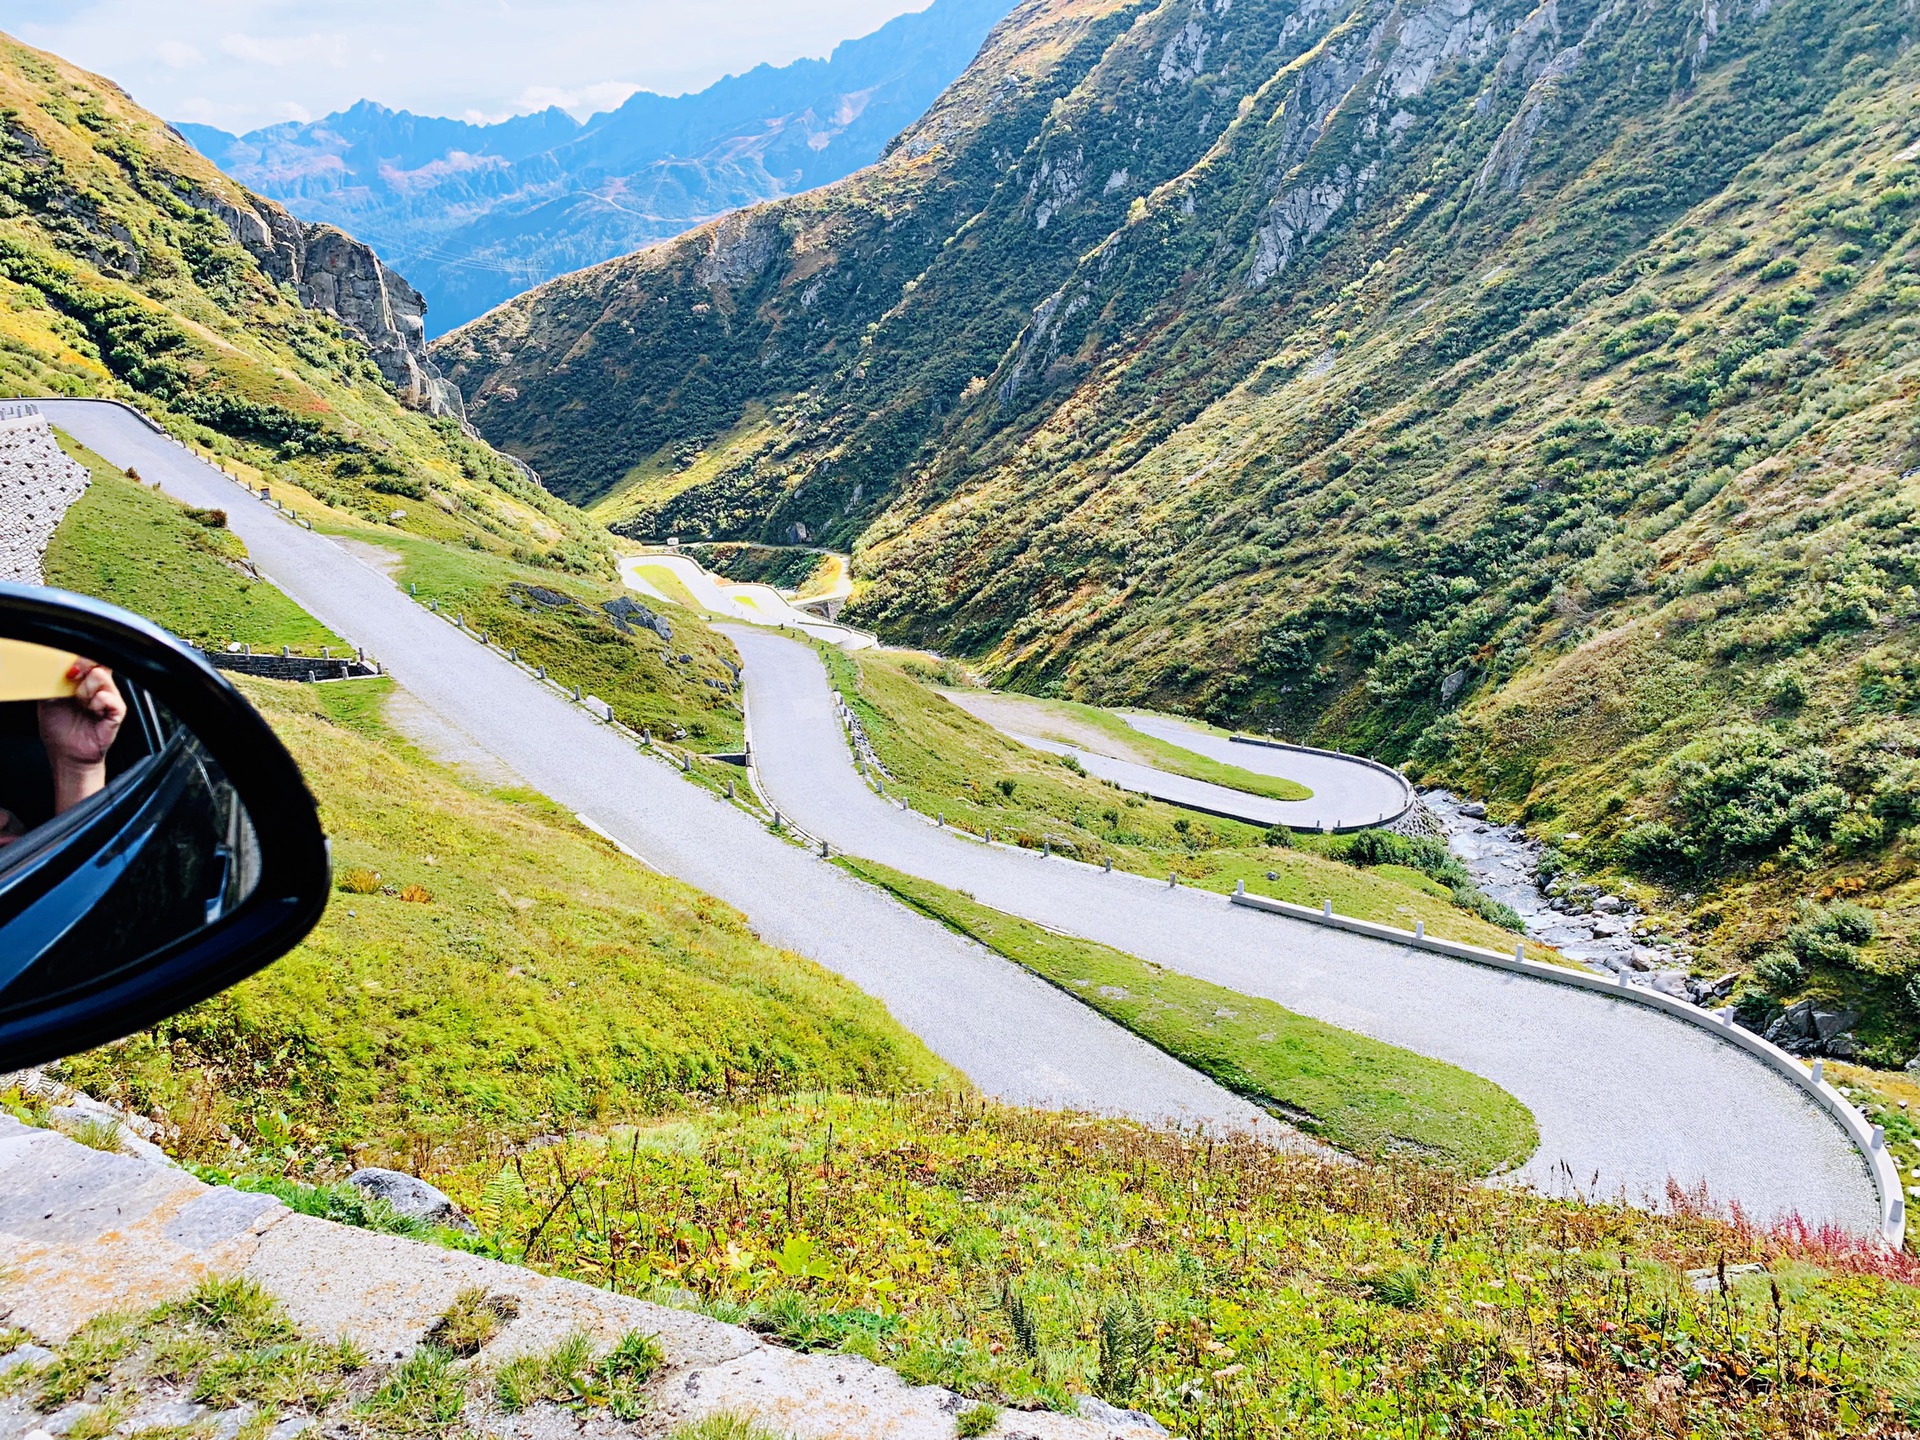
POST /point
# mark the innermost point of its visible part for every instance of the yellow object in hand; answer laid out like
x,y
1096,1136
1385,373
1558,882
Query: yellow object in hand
x,y
34,672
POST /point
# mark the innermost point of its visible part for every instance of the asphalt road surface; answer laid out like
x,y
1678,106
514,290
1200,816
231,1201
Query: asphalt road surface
x,y
1625,1098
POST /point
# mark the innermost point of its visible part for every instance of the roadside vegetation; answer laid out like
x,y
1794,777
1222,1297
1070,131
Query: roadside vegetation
x,y
486,967
663,670
179,567
787,568
946,763
1362,1096
228,1346
1025,1258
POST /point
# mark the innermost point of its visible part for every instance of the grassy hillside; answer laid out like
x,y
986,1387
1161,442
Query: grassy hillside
x,y
487,968
946,763
1527,398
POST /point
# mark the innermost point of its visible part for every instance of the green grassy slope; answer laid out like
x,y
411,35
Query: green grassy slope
x,y
179,567
1546,426
1367,1098
1107,733
1028,1259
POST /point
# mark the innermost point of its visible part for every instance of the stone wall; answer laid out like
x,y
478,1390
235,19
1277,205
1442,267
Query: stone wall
x,y
38,483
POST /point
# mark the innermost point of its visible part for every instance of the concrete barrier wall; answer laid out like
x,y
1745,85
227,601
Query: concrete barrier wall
x,y
1872,1145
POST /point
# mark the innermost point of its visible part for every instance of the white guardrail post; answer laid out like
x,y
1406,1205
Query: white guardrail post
x,y
1868,1138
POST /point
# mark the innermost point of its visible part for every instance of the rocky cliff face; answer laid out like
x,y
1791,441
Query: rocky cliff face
x,y
338,275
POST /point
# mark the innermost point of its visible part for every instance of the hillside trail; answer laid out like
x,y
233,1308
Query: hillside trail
x,y
1626,1099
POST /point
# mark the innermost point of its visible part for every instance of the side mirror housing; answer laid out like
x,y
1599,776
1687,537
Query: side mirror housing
x,y
157,842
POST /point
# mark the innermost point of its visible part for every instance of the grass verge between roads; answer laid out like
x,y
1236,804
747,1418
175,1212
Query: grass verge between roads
x,y
641,674
1126,743
179,567
946,762
1362,1095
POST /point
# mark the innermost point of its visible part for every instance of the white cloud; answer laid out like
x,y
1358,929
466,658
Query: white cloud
x,y
290,51
579,101
177,56
243,63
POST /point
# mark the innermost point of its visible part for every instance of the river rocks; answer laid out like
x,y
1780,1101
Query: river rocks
x,y
1473,810
1672,982
1609,904
1607,928
412,1197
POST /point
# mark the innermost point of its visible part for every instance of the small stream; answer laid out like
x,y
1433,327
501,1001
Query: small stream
x,y
1577,918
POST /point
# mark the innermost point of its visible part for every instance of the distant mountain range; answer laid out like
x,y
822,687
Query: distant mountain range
x,y
475,214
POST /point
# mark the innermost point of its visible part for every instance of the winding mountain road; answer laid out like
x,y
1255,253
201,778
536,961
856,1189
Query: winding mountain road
x,y
1013,1035
1625,1098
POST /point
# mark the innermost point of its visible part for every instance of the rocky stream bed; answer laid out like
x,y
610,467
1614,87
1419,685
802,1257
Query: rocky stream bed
x,y
1607,932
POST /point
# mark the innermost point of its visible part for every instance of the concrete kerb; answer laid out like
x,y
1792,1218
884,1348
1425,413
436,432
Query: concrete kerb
x,y
1886,1175
1407,798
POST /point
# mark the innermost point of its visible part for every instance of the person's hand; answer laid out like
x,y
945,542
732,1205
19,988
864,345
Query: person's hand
x,y
78,730
11,828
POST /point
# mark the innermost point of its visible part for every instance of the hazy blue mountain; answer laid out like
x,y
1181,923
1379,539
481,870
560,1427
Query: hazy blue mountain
x,y
474,214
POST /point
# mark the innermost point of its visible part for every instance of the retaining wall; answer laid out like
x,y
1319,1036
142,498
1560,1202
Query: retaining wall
x,y
38,485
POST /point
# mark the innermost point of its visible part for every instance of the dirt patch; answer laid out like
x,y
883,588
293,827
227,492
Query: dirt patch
x,y
446,742
387,562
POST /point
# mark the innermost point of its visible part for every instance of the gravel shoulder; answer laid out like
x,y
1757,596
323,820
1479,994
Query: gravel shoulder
x,y
1626,1099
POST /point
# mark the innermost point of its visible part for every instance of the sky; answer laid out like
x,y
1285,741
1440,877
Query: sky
x,y
241,64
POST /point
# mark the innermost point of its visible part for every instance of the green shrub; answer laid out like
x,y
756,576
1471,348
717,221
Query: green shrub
x,y
1780,971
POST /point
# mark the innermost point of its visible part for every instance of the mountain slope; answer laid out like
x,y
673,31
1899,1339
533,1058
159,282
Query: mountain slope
x,y
1523,390
478,213
131,268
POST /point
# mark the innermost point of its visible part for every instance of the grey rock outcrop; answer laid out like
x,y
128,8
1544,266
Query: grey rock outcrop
x,y
412,1197
38,485
339,276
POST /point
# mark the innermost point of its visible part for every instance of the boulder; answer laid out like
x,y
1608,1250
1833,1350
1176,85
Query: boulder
x,y
1609,904
1473,810
412,1197
1672,982
1828,1023
1093,1408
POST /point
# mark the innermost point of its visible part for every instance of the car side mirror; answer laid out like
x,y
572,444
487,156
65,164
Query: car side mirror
x,y
157,842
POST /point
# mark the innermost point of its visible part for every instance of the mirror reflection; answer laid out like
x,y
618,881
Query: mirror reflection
x,y
120,835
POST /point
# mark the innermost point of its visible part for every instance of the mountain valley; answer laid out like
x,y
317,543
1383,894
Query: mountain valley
x,y
1520,392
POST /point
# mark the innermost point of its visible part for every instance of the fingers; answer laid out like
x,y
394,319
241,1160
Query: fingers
x,y
95,692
